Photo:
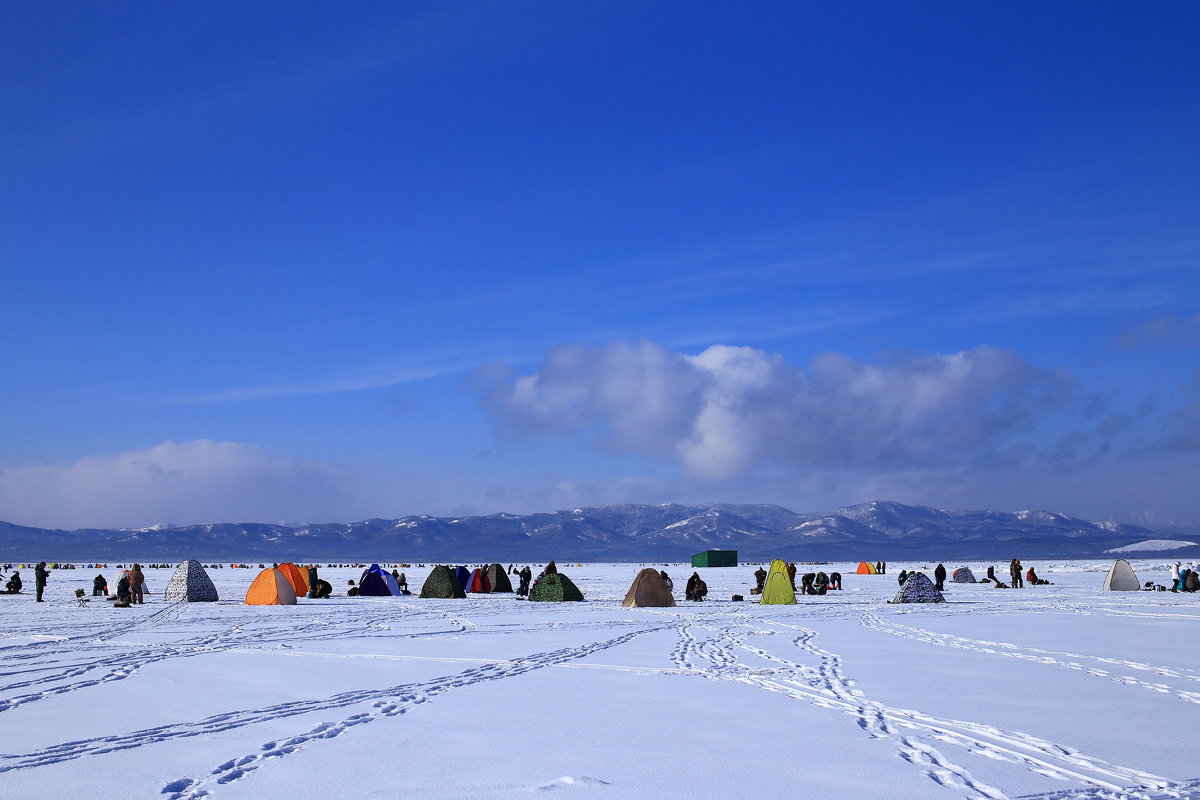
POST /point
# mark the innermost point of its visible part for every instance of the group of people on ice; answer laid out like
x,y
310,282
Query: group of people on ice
x,y
811,583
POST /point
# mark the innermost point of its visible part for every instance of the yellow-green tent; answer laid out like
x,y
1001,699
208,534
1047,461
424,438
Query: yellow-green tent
x,y
778,591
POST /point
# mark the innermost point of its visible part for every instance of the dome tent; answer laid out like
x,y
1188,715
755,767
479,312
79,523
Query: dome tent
x,y
499,579
777,589
918,589
190,584
963,575
866,569
554,588
441,583
648,590
377,582
297,577
464,576
478,583
271,588
1121,577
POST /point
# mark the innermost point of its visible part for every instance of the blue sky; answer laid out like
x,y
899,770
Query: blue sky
x,y
301,261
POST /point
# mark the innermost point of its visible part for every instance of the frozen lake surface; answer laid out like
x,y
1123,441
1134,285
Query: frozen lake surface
x,y
1060,691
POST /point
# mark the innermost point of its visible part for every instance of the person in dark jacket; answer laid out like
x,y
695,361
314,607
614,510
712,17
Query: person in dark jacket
x,y
1014,570
14,583
991,576
40,574
137,580
696,587
760,577
99,586
902,577
122,593
526,575
551,569
791,571
313,580
835,580
322,589
939,577
667,580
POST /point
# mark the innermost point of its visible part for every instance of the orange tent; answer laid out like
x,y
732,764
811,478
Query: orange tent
x,y
866,569
271,588
297,577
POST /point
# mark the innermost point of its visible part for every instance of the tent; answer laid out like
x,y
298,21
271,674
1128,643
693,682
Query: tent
x,y
271,588
498,578
478,583
866,569
190,584
1121,577
442,583
377,582
648,590
963,575
297,577
715,558
464,576
918,589
777,590
554,588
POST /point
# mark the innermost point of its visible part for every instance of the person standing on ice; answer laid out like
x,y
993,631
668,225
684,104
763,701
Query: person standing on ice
x,y
939,577
136,580
1014,570
40,574
1175,576
667,579
526,574
791,571
760,576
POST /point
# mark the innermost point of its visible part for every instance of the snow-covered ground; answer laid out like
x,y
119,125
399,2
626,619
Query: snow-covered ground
x,y
1056,691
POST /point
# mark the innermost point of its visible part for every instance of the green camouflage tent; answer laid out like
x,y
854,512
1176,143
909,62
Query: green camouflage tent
x,y
554,588
441,583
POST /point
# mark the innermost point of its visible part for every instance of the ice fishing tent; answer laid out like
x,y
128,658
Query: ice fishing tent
x,y
715,558
271,588
918,589
554,588
649,590
498,578
442,583
1121,577
866,569
190,584
478,583
777,590
125,574
463,575
963,575
377,582
297,577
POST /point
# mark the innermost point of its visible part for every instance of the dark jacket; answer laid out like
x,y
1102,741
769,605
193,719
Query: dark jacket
x,y
40,574
123,588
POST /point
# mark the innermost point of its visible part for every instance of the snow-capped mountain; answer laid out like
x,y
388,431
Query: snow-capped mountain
x,y
669,532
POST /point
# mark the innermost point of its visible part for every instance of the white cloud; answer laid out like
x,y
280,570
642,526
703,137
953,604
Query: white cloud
x,y
177,482
728,409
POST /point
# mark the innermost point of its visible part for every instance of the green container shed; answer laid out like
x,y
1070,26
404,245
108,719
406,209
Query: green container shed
x,y
715,558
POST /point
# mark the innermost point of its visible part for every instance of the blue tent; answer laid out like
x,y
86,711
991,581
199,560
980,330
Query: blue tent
x,y
377,582
464,576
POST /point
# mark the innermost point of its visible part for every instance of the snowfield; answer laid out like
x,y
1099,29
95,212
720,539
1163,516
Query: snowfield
x,y
1060,691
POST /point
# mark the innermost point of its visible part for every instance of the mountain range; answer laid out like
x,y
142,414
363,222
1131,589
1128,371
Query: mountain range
x,y
668,532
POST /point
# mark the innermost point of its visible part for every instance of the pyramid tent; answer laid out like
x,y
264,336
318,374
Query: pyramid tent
x,y
378,582
1121,577
554,588
866,569
190,584
271,588
918,589
963,575
478,583
777,590
499,579
442,583
463,574
297,577
648,590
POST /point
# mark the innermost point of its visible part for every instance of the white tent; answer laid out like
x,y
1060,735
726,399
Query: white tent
x,y
1121,577
190,584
